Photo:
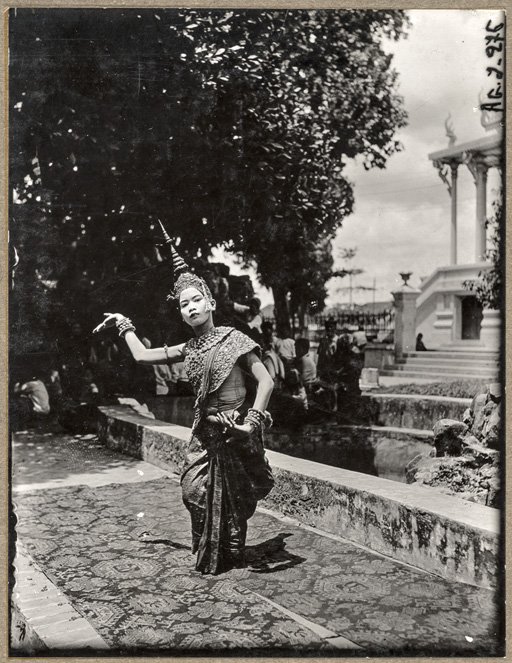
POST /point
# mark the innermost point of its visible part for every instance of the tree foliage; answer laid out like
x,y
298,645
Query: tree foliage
x,y
231,126
489,286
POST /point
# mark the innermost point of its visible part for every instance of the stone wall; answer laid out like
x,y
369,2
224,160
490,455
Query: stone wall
x,y
368,449
445,535
397,410
379,355
157,442
413,411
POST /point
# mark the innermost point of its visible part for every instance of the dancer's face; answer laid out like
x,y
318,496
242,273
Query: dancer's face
x,y
195,308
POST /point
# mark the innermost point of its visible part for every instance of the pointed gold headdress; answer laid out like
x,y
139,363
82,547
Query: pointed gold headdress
x,y
184,278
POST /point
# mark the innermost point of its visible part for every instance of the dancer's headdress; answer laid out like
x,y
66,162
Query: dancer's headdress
x,y
183,277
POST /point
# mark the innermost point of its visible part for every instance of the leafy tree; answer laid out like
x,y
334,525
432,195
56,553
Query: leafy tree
x,y
232,126
489,286
322,93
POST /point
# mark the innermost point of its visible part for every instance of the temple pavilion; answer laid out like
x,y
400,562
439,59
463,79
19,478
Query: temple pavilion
x,y
446,312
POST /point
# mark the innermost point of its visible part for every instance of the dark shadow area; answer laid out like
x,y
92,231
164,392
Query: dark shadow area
x,y
357,410
146,537
271,556
314,650
174,409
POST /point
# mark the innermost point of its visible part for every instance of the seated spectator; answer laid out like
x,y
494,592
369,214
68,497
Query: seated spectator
x,y
90,392
359,339
183,386
252,320
54,389
255,319
348,364
106,370
274,365
240,317
165,382
267,332
303,362
420,346
326,353
36,393
31,403
285,346
346,336
295,388
142,381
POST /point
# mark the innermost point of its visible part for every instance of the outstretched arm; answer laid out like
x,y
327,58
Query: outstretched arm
x,y
140,353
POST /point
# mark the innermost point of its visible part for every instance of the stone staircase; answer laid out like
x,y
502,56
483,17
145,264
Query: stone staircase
x,y
445,364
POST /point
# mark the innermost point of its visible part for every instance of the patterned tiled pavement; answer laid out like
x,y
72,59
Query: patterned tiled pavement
x,y
81,512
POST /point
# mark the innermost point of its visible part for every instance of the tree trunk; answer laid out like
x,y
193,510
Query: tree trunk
x,y
302,318
281,307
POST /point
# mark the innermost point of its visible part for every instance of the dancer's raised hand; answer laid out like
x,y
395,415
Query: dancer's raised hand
x,y
110,321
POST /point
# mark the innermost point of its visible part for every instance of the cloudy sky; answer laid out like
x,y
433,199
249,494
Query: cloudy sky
x,y
401,220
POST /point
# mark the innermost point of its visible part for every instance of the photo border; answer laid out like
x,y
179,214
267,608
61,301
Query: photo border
x,y
4,448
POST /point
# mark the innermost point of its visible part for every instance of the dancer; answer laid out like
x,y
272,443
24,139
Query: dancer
x,y
227,471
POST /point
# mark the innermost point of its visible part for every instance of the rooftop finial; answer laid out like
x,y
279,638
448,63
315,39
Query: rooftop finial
x,y
452,138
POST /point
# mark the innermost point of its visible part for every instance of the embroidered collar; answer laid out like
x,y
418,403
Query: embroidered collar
x,y
207,340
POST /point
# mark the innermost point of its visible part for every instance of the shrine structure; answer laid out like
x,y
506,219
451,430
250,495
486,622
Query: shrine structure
x,y
447,313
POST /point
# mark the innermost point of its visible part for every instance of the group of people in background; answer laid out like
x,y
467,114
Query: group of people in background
x,y
86,374
315,386
341,357
82,373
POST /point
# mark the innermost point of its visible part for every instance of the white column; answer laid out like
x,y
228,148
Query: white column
x,y
490,332
481,211
453,235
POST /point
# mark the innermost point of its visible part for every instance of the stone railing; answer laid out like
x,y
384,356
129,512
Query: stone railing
x,y
449,279
441,534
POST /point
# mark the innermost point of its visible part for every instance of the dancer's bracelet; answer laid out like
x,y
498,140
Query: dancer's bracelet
x,y
252,421
258,418
124,325
256,414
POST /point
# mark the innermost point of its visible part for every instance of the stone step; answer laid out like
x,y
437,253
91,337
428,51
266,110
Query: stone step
x,y
466,346
490,366
437,376
392,432
411,411
460,355
443,368
429,357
